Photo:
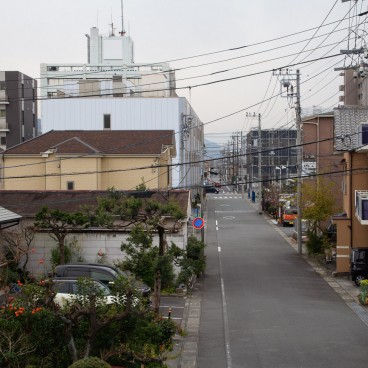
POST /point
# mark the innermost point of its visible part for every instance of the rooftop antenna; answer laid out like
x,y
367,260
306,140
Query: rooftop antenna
x,y
112,34
122,32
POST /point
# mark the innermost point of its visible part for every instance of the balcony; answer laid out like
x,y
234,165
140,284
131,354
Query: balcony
x,y
4,127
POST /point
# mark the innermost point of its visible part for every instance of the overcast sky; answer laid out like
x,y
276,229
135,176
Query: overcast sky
x,y
45,31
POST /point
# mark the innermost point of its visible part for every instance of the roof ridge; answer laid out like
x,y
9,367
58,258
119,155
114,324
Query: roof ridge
x,y
79,140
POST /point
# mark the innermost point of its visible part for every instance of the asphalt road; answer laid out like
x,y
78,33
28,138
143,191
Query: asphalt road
x,y
263,305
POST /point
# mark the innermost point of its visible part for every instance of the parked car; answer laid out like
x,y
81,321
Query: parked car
x,y
288,216
359,265
106,274
209,189
67,288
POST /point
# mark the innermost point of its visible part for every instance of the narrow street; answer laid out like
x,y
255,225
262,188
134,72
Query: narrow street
x,y
265,306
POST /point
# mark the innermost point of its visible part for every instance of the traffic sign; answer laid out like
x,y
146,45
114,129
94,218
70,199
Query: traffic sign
x,y
198,222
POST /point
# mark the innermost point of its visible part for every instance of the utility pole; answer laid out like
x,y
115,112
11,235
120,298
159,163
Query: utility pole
x,y
299,162
259,166
288,77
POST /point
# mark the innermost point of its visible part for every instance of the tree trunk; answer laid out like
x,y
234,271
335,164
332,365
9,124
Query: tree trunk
x,y
62,249
157,292
157,281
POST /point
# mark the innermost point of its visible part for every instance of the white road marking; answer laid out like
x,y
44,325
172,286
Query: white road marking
x,y
172,307
216,228
216,222
219,249
226,320
170,317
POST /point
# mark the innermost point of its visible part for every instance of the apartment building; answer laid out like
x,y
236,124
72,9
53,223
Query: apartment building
x,y
18,108
278,156
318,153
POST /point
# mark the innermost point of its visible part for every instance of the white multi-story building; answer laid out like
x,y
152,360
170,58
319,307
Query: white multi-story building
x,y
113,92
110,71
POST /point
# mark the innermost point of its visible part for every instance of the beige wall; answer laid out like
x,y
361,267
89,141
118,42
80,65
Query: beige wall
x,y
24,173
342,245
53,172
119,173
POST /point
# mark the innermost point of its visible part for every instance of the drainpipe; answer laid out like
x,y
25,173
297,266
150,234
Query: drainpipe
x,y
351,199
88,48
2,172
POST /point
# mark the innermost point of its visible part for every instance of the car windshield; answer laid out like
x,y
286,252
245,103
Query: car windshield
x,y
358,256
105,290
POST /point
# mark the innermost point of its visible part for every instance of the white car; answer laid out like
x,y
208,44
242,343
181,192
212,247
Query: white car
x,y
67,290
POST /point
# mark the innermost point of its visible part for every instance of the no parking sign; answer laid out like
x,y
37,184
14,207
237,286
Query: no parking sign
x,y
198,222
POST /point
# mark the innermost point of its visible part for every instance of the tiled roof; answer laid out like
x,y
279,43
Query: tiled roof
x,y
7,216
102,141
28,203
346,122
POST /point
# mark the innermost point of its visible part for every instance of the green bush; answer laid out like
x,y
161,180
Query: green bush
x,y
91,362
55,255
314,243
193,261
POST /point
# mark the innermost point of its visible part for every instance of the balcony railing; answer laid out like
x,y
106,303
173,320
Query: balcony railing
x,y
4,126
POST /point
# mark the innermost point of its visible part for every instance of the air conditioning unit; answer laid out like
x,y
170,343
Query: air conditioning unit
x,y
362,134
361,206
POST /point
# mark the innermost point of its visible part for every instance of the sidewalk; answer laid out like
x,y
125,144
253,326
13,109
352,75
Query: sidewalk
x,y
184,354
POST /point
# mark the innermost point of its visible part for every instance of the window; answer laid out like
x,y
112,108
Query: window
x,y
62,287
107,121
359,256
102,276
3,141
362,134
2,113
361,206
70,185
77,272
2,85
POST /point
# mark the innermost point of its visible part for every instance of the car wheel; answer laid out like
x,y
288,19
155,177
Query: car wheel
x,y
284,224
358,280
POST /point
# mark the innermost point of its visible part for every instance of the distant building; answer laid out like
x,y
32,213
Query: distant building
x,y
354,89
109,72
279,156
18,108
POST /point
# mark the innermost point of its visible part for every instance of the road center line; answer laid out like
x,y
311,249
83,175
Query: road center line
x,y
219,249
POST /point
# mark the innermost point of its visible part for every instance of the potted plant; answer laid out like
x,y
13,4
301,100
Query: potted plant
x,y
363,295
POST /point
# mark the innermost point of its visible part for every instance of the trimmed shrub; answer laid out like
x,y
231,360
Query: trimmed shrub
x,y
91,362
